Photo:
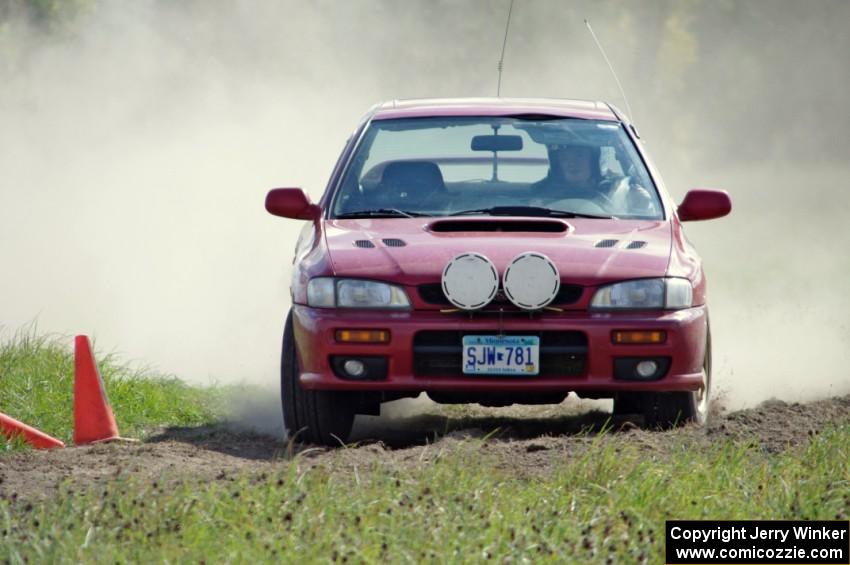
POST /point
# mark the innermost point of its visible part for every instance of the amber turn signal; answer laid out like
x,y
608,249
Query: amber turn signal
x,y
362,336
638,337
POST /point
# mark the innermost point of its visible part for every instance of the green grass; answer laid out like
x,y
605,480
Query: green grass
x,y
610,502
37,388
606,502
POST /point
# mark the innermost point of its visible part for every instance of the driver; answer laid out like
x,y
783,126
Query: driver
x,y
573,173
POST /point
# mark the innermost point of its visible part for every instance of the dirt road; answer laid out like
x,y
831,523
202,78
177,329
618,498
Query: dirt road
x,y
524,442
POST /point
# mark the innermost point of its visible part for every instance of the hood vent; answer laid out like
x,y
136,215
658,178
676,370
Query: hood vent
x,y
499,225
394,242
364,244
607,243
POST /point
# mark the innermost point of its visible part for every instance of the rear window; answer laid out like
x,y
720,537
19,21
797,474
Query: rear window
x,y
451,146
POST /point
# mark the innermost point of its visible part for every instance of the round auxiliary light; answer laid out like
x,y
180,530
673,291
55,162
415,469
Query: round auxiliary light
x,y
470,281
531,281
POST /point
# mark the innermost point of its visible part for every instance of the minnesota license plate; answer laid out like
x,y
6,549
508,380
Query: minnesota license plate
x,y
501,355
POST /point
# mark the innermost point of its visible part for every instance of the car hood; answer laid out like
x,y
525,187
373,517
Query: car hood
x,y
586,251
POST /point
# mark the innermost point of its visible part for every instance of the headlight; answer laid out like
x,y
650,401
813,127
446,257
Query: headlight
x,y
327,292
669,293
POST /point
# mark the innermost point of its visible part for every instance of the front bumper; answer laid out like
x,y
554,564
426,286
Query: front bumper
x,y
315,331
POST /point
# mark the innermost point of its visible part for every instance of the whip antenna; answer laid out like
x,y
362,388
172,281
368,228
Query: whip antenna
x,y
611,67
504,44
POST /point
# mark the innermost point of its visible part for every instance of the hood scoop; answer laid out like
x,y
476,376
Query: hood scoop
x,y
499,225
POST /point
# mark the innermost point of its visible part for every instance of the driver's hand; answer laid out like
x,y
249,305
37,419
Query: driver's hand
x,y
639,200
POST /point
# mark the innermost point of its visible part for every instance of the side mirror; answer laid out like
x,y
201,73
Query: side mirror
x,y
704,204
291,203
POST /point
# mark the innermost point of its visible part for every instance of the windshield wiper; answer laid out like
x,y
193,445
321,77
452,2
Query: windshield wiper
x,y
381,213
528,211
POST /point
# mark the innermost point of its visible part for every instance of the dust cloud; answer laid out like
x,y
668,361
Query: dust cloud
x,y
137,141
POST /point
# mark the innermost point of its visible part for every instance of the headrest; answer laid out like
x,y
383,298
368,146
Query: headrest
x,y
418,172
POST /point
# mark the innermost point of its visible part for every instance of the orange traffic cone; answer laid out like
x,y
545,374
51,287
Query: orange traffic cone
x,y
38,439
93,418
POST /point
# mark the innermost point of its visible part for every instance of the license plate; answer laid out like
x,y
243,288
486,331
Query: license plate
x,y
501,355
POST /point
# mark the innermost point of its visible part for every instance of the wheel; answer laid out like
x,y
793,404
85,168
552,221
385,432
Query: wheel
x,y
311,416
668,409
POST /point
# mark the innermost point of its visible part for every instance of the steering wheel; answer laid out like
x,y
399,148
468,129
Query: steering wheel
x,y
593,196
581,205
596,198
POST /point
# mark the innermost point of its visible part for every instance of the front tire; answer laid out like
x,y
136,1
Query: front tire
x,y
310,416
666,410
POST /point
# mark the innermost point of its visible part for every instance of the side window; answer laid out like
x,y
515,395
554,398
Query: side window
x,y
608,162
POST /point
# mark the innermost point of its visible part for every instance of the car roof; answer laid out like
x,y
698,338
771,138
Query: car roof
x,y
427,107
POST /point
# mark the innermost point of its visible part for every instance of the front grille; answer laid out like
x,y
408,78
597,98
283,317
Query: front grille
x,y
606,243
636,245
440,353
433,294
568,294
364,244
394,242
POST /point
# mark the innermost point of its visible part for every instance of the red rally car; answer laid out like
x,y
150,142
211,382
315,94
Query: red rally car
x,y
494,251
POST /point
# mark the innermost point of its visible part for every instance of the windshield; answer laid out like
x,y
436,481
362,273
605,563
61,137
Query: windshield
x,y
479,165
